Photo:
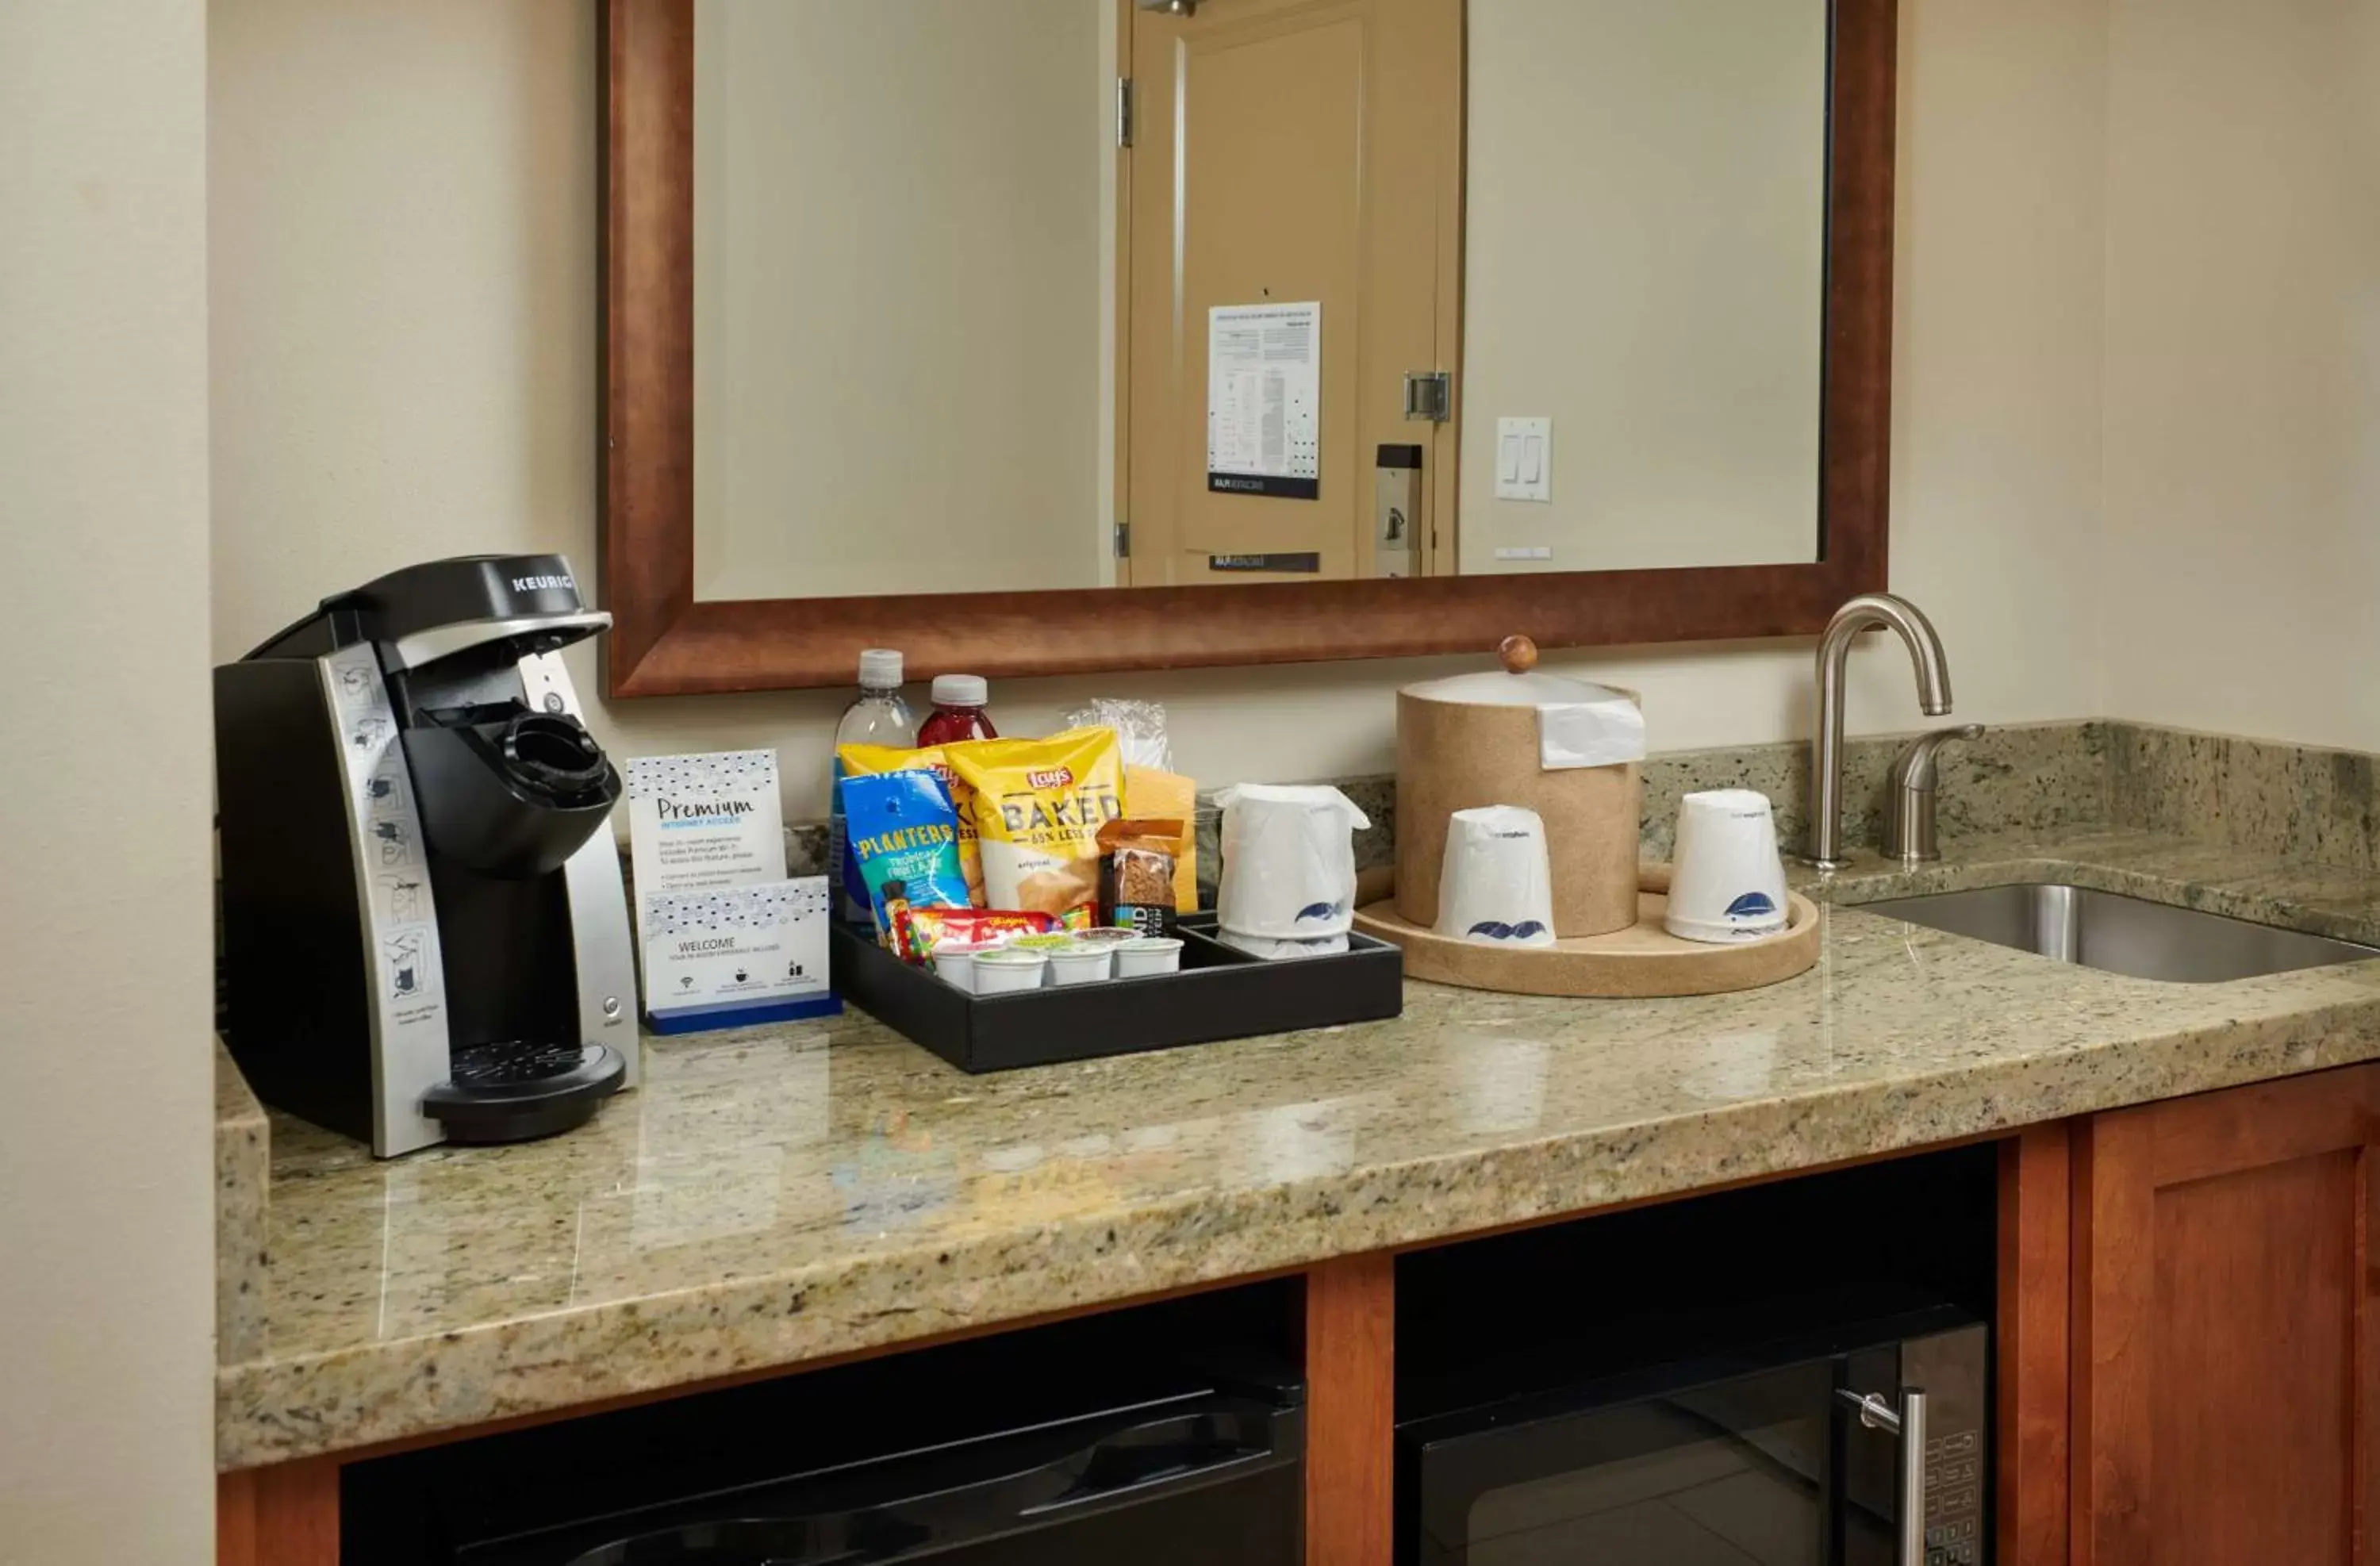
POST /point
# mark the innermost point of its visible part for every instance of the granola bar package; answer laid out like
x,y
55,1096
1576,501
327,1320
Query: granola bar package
x,y
1136,889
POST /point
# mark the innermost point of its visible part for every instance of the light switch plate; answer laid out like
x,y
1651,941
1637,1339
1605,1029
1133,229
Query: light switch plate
x,y
1524,459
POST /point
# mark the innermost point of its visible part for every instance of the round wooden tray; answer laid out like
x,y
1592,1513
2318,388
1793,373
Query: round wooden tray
x,y
1632,964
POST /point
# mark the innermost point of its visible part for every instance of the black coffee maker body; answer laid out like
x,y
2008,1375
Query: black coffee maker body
x,y
426,934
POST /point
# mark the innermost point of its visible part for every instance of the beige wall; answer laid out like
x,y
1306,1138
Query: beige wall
x,y
2243,367
106,1251
901,230
404,367
1645,251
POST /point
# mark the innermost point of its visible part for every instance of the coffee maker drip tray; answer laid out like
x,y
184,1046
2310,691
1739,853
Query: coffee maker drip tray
x,y
515,1089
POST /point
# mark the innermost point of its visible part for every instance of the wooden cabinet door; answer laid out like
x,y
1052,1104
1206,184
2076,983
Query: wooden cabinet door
x,y
2224,1369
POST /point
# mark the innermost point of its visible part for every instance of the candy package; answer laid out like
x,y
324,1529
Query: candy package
x,y
1039,805
930,930
903,835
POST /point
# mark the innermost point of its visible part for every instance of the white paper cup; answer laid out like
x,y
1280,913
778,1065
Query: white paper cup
x,y
1496,881
1274,949
1727,882
1289,861
1081,964
1148,955
1009,970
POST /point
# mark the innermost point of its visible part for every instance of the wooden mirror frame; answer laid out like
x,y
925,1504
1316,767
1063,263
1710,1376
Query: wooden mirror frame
x,y
665,641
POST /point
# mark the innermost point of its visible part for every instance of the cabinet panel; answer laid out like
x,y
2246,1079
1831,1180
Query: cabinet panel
x,y
2222,1390
2035,1214
286,1515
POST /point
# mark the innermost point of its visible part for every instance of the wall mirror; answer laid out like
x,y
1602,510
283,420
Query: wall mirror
x,y
1038,337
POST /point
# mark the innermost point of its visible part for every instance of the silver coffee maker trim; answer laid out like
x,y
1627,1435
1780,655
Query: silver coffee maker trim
x,y
605,948
403,960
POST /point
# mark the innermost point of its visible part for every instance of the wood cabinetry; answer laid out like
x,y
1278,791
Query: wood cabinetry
x,y
2223,1357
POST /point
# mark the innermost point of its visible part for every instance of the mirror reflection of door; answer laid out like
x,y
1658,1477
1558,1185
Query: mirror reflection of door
x,y
1292,225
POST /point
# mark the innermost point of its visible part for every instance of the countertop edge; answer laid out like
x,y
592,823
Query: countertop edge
x,y
274,1410
243,1195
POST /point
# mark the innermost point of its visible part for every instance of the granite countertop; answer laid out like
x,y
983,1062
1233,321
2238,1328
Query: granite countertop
x,y
776,1193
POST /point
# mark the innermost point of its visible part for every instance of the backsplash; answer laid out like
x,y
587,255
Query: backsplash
x,y
2025,777
2293,802
2030,777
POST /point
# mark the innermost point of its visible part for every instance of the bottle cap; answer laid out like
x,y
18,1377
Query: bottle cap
x,y
961,690
880,667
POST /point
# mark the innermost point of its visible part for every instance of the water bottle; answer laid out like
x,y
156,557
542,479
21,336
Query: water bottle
x,y
878,717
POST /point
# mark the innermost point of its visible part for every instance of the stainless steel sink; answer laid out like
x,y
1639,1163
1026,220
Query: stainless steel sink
x,y
2126,935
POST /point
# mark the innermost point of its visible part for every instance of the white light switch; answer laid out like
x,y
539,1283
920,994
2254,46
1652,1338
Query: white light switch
x,y
1524,459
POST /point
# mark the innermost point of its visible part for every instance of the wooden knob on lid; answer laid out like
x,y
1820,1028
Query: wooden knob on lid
x,y
1519,653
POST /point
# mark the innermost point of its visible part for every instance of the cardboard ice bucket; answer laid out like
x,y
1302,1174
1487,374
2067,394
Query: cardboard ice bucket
x,y
1567,749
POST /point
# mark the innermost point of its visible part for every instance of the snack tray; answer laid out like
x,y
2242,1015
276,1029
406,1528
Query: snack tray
x,y
1220,992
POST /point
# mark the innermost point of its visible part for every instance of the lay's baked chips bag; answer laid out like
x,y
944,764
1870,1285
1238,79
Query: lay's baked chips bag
x,y
1038,808
861,761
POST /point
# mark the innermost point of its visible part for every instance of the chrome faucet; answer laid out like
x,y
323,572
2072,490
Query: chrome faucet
x,y
1826,847
1909,832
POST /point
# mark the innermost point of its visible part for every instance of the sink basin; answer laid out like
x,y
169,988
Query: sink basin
x,y
2125,935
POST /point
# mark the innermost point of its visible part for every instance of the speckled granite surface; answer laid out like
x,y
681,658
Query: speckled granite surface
x,y
777,1194
243,1158
2287,801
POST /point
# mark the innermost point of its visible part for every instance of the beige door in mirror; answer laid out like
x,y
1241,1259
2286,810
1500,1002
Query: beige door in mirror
x,y
1292,230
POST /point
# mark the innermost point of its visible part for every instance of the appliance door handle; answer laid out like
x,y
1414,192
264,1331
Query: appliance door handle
x,y
1908,1424
967,1497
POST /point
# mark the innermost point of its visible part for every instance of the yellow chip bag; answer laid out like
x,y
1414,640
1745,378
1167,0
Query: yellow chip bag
x,y
860,761
1038,808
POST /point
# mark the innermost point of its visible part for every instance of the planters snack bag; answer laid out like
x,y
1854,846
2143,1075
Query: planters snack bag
x,y
1039,805
904,837
869,760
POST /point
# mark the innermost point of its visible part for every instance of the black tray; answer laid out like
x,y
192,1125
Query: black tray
x,y
1220,993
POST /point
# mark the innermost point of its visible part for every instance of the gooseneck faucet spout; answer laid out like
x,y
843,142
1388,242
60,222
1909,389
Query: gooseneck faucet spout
x,y
1826,847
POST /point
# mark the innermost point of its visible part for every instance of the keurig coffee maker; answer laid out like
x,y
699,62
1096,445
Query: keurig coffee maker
x,y
425,930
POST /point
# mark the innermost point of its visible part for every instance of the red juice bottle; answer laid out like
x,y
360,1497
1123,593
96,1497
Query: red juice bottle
x,y
958,711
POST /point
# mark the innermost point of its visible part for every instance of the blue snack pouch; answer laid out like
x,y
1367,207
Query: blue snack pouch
x,y
903,835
